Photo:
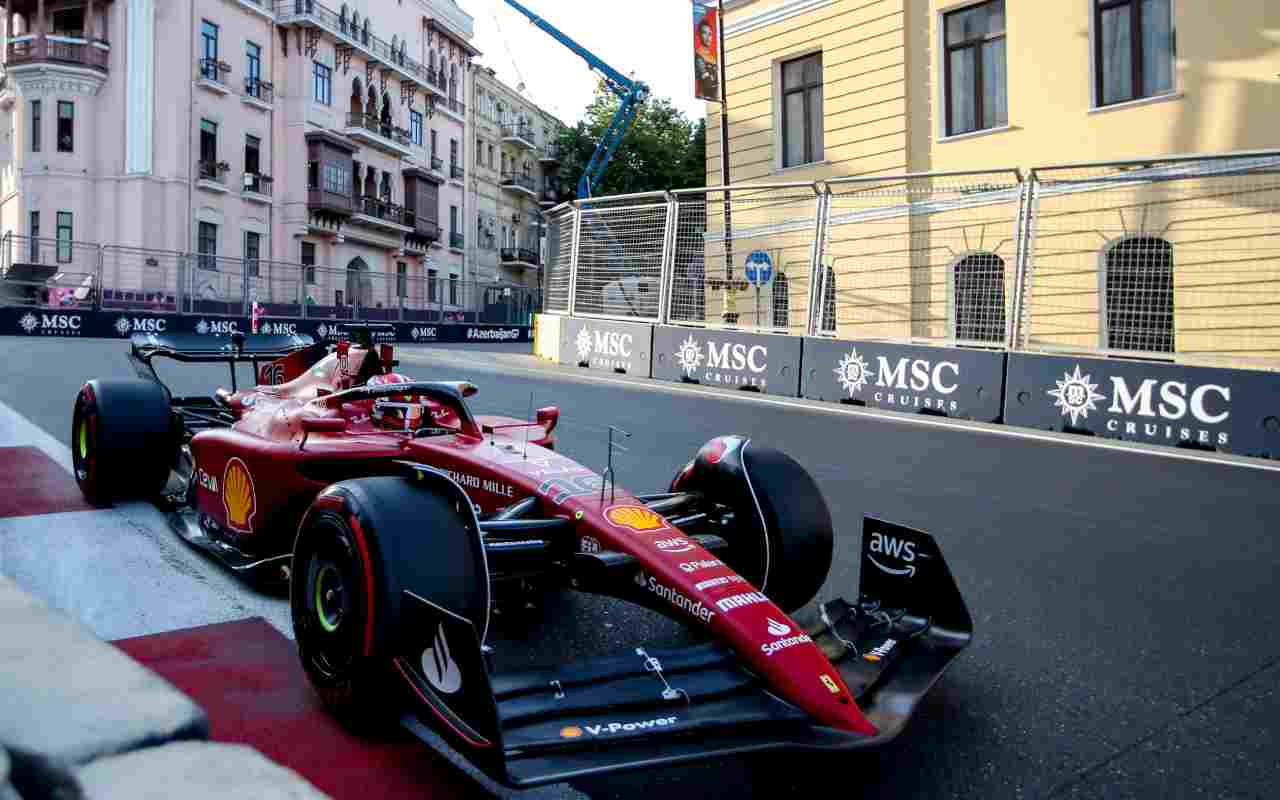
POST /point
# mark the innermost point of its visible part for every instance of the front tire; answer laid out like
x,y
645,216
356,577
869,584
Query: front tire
x,y
123,443
359,547
781,537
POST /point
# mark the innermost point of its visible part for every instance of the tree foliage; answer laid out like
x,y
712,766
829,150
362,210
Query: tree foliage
x,y
662,149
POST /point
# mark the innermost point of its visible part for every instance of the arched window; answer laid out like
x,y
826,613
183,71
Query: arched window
x,y
1138,281
395,43
453,80
364,32
402,52
828,321
359,284
978,281
342,19
780,301
431,60
385,189
371,104
357,98
385,119
355,23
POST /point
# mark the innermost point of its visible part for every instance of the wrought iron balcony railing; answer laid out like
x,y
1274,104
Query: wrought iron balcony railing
x,y
516,179
257,183
259,89
456,172
522,255
213,171
211,69
456,241
384,129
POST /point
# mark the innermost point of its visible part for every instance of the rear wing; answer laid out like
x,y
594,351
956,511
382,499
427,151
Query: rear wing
x,y
238,348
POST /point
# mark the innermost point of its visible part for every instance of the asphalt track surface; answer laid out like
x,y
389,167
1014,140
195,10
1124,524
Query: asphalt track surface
x,y
1123,602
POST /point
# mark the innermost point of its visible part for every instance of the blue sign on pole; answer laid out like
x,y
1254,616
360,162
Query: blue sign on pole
x,y
759,267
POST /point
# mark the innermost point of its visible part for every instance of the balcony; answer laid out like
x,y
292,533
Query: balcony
x,y
370,130
456,241
309,12
212,175
456,172
49,48
256,187
518,183
212,75
258,93
519,257
437,166
519,133
378,213
455,107
549,154
424,231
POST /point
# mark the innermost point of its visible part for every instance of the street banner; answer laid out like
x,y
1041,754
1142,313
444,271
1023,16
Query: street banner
x,y
706,53
622,347
768,363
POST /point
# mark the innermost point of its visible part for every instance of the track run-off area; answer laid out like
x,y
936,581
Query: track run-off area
x,y
1121,594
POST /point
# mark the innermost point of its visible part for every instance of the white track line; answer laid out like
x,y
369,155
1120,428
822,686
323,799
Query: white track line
x,y
816,407
18,431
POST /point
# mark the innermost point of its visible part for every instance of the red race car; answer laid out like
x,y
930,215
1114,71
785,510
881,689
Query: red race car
x,y
399,515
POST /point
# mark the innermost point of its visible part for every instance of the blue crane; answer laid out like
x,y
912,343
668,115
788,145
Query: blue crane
x,y
630,94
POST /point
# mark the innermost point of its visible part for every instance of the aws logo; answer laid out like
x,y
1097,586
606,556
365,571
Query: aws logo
x,y
895,548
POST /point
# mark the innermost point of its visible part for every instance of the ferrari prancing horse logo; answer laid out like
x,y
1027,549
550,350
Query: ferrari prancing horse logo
x,y
238,496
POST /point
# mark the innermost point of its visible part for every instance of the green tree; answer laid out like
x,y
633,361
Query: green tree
x,y
662,149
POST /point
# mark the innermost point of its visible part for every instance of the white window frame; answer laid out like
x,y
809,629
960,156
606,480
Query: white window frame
x,y
1174,93
940,74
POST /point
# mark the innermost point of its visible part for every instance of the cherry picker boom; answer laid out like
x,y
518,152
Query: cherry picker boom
x,y
630,94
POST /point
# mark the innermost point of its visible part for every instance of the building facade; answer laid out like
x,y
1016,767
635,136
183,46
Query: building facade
x,y
1172,260
514,176
310,154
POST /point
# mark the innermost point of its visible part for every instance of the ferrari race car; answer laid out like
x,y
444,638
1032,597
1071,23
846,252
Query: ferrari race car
x,y
403,531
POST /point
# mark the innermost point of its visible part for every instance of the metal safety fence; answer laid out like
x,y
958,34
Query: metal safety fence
x,y
1170,258
58,273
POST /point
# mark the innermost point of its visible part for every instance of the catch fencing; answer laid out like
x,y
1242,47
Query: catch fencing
x,y
1167,258
58,273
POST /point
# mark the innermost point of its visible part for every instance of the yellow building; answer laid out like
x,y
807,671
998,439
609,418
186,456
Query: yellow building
x,y
1160,256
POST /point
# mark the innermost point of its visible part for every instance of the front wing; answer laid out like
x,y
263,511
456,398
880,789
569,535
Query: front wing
x,y
653,707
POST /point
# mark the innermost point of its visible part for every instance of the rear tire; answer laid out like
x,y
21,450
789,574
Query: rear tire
x,y
781,539
360,546
123,440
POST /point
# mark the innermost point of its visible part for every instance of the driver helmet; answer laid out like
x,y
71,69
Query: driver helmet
x,y
396,412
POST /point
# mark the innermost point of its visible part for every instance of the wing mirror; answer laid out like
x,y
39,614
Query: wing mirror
x,y
548,416
312,425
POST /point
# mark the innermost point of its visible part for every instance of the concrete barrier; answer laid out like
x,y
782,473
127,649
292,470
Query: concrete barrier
x,y
546,336
767,363
624,347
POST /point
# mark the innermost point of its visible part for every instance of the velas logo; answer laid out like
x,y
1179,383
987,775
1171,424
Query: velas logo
x,y
891,547
729,363
910,382
1152,409
635,518
239,499
217,327
694,608
127,326
611,728
41,324
438,665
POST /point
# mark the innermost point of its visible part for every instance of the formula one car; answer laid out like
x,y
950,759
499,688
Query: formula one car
x,y
239,467
400,552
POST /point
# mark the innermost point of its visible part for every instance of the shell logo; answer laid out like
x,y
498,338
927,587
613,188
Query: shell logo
x,y
636,518
238,496
570,732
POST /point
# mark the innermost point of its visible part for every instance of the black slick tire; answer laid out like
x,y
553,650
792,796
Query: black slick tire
x,y
123,440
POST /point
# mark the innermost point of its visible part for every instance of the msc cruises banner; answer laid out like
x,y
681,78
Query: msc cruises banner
x,y
757,362
625,347
706,53
72,323
1228,410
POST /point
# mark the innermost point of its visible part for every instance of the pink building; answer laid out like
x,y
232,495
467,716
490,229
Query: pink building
x,y
310,154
